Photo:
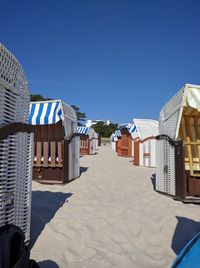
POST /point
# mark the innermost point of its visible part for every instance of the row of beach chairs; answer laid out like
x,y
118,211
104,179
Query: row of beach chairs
x,y
172,145
137,140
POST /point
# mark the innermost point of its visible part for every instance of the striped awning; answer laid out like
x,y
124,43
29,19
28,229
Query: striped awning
x,y
83,130
118,133
132,129
126,125
45,113
144,128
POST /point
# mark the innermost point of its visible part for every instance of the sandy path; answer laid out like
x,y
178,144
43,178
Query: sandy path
x,y
111,218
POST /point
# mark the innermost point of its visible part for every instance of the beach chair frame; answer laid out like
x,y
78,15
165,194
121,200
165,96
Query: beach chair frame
x,y
56,144
144,132
178,146
88,140
15,145
125,143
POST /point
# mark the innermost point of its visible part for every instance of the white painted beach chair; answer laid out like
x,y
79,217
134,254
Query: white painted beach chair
x,y
96,141
144,132
15,144
113,139
178,146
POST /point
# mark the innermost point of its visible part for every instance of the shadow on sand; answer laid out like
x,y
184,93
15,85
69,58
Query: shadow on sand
x,y
83,169
48,264
185,230
153,181
45,204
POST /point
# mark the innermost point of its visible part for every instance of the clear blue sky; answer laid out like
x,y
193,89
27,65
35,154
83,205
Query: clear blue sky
x,y
115,59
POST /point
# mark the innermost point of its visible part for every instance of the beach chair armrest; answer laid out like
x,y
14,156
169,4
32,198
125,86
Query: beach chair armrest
x,y
13,128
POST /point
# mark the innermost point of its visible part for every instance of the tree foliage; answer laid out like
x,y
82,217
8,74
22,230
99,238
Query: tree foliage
x,y
105,130
81,117
37,97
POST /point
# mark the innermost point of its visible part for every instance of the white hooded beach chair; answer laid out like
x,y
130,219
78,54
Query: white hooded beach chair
x,y
144,132
15,144
57,145
113,139
178,146
97,140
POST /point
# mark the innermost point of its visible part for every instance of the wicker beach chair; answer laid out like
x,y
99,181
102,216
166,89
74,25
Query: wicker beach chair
x,y
144,132
87,140
125,143
15,144
178,146
56,143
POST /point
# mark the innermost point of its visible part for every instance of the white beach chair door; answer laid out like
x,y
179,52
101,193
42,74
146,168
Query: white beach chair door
x,y
132,148
153,153
146,146
141,154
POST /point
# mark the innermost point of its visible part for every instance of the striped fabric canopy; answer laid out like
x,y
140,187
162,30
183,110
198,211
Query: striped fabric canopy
x,y
118,133
44,113
83,130
132,129
126,125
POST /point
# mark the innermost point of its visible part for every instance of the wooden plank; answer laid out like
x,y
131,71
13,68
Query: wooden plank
x,y
194,147
59,143
193,143
136,153
52,145
196,124
182,136
45,146
188,134
129,145
38,146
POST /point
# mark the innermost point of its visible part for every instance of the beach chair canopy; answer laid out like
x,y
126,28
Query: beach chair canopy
x,y
144,128
86,131
116,135
12,74
125,126
51,112
15,95
83,130
186,101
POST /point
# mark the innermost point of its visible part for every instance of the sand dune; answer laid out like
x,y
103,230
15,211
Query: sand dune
x,y
109,217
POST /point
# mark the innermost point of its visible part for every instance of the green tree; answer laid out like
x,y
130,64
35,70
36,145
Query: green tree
x,y
105,130
37,97
81,117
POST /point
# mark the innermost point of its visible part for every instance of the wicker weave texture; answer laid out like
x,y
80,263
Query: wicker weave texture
x,y
15,150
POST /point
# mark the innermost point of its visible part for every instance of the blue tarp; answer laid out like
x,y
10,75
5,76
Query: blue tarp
x,y
189,257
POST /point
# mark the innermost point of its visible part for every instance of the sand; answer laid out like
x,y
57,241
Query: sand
x,y
109,217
